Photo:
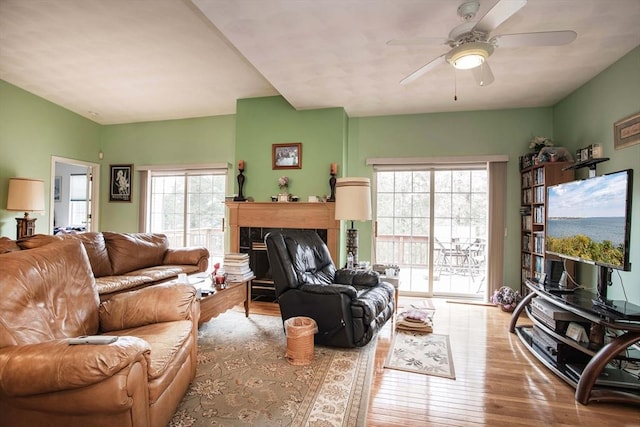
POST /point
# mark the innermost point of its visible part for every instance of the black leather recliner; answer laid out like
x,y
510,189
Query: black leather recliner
x,y
348,306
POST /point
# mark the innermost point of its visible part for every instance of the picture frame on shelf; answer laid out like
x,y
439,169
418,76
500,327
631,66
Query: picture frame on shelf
x,y
626,132
286,156
121,183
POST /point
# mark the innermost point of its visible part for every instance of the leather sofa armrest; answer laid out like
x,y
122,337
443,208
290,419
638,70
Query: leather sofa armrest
x,y
51,366
357,277
154,304
187,256
333,289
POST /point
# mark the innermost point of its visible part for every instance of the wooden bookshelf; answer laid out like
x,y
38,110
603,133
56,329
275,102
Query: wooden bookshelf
x,y
534,181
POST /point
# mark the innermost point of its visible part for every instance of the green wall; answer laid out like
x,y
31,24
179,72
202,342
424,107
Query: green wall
x,y
171,142
587,117
478,133
31,131
262,122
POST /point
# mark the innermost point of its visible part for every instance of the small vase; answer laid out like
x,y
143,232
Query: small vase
x,y
283,197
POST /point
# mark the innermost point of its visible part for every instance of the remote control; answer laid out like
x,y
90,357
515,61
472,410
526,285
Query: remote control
x,y
93,339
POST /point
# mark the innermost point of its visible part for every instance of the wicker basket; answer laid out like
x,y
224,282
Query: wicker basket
x,y
300,332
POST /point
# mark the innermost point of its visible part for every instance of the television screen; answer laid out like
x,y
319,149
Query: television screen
x,y
589,220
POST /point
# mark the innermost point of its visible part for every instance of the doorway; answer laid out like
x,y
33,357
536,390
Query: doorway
x,y
74,196
432,223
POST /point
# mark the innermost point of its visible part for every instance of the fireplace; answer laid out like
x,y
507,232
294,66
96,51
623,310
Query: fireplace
x,y
249,222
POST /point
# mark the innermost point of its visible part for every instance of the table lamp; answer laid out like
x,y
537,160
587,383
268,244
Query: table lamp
x,y
353,203
25,195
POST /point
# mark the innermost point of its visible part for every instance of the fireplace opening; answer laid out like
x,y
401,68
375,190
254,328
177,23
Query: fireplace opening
x,y
252,242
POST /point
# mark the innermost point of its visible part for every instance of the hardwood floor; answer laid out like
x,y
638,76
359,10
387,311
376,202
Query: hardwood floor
x,y
498,382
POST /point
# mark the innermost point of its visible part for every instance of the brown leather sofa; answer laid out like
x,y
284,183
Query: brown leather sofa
x,y
49,295
126,261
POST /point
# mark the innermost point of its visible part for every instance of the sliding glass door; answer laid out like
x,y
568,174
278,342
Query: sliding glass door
x,y
188,206
432,223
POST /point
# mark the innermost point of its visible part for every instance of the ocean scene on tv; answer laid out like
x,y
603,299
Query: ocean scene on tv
x,y
586,219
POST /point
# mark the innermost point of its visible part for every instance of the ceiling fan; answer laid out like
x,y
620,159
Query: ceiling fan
x,y
472,44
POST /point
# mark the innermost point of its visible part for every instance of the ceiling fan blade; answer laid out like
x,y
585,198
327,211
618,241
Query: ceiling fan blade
x,y
499,13
546,38
418,41
423,70
483,74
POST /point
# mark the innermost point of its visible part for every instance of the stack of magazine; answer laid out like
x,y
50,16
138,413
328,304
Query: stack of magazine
x,y
236,266
415,320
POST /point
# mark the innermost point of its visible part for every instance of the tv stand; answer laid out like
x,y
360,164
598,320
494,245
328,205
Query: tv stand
x,y
623,309
593,358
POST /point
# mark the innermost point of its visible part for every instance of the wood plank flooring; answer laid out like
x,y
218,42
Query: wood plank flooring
x,y
498,382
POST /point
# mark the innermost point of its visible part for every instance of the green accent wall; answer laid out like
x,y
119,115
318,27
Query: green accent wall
x,y
203,140
32,130
262,122
586,117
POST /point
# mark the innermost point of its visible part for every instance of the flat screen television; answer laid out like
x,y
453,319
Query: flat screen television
x,y
589,221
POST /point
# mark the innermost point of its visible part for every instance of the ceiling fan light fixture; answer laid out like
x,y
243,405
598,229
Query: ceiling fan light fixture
x,y
469,55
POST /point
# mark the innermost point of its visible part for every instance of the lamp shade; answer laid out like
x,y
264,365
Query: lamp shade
x,y
25,195
353,199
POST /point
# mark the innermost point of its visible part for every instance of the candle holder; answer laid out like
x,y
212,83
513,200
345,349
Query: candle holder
x,y
332,185
240,196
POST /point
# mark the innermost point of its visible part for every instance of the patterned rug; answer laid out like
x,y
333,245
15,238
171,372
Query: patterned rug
x,y
243,379
428,354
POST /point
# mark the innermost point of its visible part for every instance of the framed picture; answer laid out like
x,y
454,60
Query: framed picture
x,y
287,156
626,132
57,186
121,183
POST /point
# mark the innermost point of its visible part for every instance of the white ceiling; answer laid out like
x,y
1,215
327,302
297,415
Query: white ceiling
x,y
122,61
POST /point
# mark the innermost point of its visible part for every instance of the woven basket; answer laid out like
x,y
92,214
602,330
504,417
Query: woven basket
x,y
300,332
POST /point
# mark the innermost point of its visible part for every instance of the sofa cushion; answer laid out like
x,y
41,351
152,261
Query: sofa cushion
x,y
47,293
169,350
154,304
109,284
7,245
133,251
96,249
163,272
37,240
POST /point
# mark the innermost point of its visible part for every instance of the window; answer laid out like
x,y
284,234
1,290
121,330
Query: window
x,y
188,206
78,200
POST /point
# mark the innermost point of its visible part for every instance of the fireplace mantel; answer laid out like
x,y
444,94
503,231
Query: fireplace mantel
x,y
284,215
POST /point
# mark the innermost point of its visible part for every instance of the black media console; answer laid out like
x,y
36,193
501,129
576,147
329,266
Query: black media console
x,y
568,337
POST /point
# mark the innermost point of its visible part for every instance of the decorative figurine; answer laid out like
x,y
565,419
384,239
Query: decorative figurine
x,y
240,196
332,182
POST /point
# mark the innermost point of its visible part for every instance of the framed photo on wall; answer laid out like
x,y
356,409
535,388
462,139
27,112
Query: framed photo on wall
x,y
286,156
626,132
121,183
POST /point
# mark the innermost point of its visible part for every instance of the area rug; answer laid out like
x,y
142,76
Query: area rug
x,y
428,354
243,379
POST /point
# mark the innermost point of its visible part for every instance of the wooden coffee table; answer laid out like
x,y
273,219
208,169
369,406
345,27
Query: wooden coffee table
x,y
222,300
